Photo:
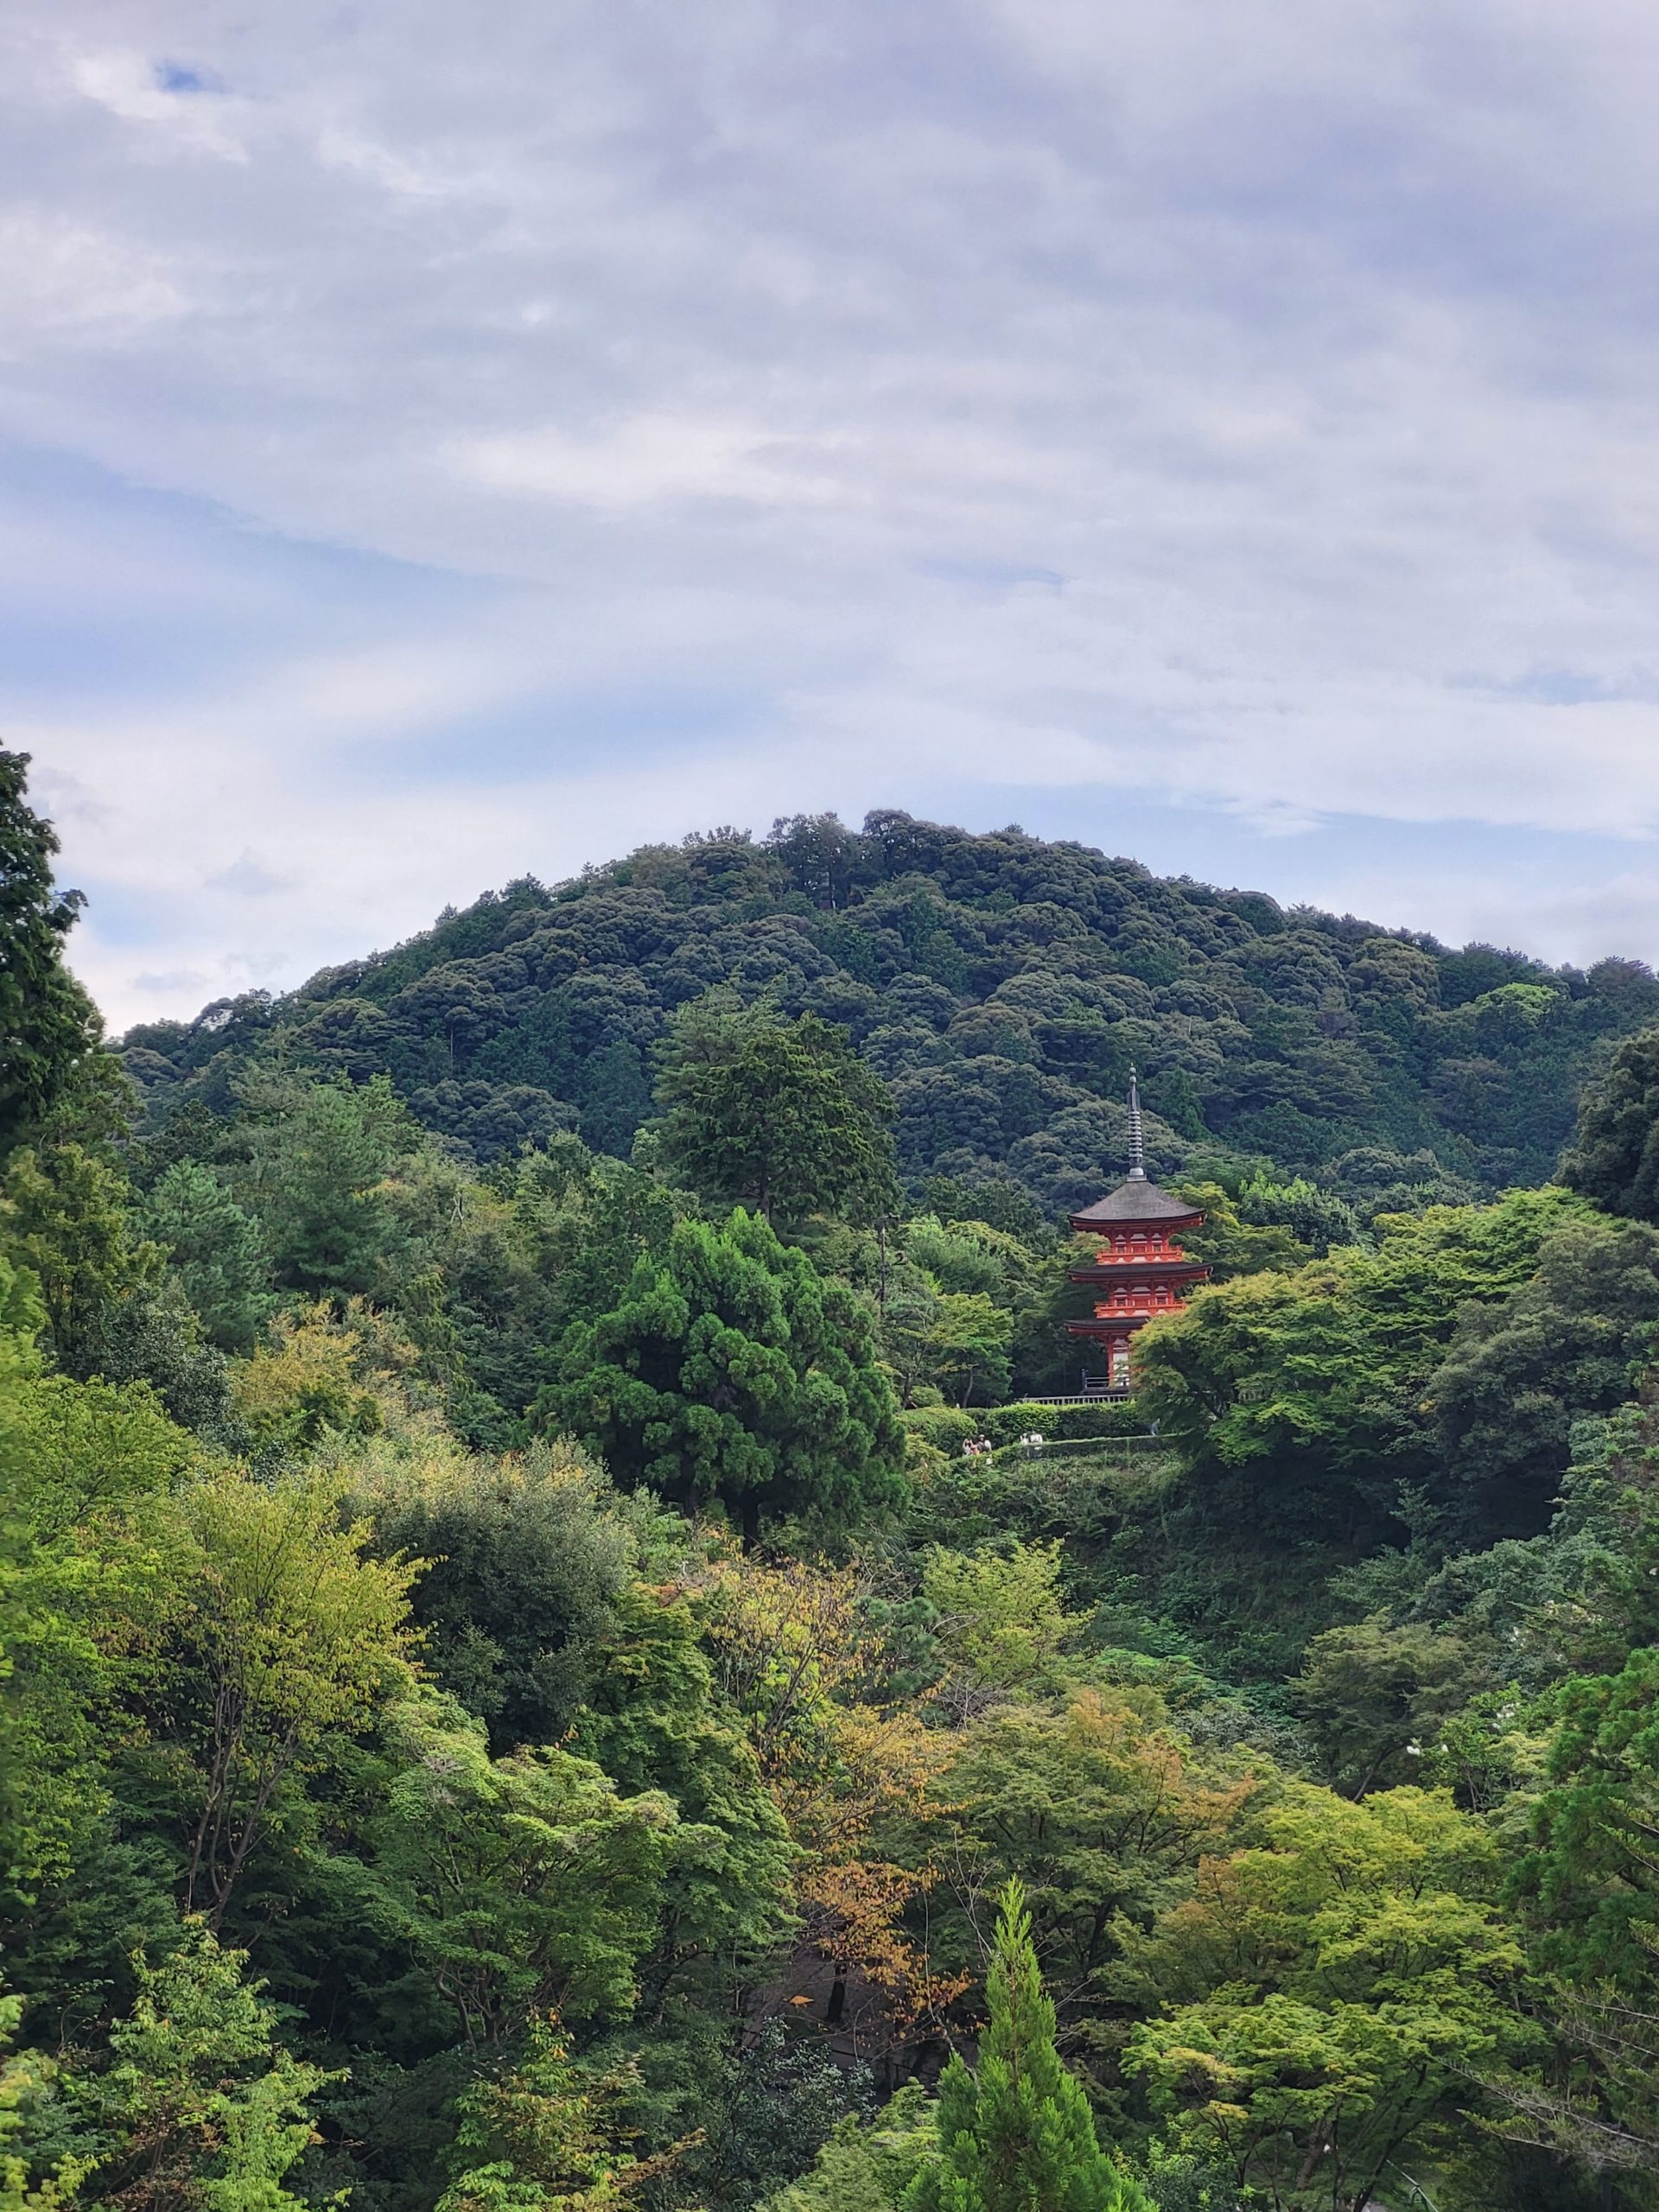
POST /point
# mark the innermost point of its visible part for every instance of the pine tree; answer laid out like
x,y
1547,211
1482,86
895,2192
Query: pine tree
x,y
730,1369
1019,2137
216,1249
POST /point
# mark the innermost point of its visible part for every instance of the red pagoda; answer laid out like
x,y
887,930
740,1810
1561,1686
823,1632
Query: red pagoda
x,y
1140,1269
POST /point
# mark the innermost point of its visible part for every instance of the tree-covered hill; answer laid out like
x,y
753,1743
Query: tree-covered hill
x,y
1002,985
537,1682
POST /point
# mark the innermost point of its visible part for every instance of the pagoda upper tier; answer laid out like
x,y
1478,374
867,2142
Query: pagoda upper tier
x,y
1135,1201
1139,1270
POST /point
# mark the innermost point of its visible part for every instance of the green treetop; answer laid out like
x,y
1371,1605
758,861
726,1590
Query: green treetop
x,y
1592,1868
320,1160
544,2136
1019,2136
1614,1154
200,2107
731,1369
216,1250
64,1214
48,1029
781,1116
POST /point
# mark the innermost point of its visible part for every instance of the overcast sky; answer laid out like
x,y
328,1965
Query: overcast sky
x,y
439,442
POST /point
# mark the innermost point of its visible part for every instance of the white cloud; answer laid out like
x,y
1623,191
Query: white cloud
x,y
1251,409
649,459
61,281
131,85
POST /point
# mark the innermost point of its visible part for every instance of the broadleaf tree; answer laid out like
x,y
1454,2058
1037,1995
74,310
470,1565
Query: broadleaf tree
x,y
1614,1155
783,1116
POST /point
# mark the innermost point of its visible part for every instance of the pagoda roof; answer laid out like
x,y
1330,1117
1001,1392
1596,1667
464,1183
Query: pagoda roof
x,y
1135,1200
1150,1266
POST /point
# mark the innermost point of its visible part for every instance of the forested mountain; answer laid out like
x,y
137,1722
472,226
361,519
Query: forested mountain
x,y
559,1654
1002,986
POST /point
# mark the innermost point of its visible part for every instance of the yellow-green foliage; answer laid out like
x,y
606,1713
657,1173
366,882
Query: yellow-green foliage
x,y
1001,1617
93,1561
306,1381
1327,1994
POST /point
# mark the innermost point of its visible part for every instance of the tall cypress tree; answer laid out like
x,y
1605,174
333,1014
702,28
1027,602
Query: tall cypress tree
x,y
1019,2137
49,1028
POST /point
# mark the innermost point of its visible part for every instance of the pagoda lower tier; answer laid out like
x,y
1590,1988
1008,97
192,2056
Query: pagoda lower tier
x,y
1116,1328
1112,1332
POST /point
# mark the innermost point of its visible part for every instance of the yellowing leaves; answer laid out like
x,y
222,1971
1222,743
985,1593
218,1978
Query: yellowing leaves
x,y
796,1651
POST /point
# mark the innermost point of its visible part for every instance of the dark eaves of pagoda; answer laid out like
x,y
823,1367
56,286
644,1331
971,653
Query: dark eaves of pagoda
x,y
1135,1201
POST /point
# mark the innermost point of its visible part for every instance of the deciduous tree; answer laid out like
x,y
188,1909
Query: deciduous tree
x,y
291,1637
1331,1994
544,2136
521,1883
93,1563
65,1215
1613,1157
200,2107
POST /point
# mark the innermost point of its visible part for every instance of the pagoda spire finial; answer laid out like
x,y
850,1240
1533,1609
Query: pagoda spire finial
x,y
1137,1148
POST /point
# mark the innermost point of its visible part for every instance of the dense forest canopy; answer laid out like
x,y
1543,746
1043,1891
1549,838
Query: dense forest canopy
x,y
561,1649
1001,985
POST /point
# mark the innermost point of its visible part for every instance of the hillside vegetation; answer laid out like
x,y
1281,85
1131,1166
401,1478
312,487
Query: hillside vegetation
x,y
1002,986
552,1661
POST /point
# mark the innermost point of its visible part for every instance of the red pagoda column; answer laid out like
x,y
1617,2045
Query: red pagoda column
x,y
1139,1270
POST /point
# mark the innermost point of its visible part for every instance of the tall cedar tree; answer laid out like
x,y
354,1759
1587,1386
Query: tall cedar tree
x,y
1614,1154
731,1369
780,1117
49,1028
1020,2136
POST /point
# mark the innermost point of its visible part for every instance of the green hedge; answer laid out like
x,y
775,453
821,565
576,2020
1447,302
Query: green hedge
x,y
1111,1417
947,1428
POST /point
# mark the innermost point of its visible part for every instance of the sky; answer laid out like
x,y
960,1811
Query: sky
x,y
439,444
